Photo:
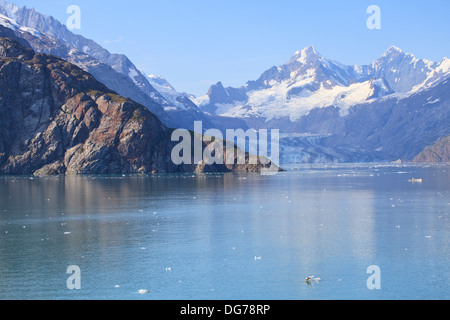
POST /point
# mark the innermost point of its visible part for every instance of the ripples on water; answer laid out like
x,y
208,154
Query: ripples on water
x,y
229,236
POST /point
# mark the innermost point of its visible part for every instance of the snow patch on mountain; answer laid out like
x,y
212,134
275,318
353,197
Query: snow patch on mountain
x,y
176,99
13,25
9,8
8,23
133,74
202,101
434,76
310,81
275,102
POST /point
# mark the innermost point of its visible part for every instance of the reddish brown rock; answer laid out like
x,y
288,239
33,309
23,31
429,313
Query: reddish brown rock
x,y
439,152
57,119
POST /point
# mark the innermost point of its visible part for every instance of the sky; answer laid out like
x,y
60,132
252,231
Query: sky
x,y
196,43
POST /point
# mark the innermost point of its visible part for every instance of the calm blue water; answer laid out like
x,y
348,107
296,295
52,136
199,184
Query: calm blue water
x,y
330,222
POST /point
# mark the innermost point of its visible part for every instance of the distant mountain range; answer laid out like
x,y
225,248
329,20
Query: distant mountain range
x,y
326,111
330,112
308,81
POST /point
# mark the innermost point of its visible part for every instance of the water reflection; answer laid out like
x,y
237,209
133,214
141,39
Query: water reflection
x,y
209,228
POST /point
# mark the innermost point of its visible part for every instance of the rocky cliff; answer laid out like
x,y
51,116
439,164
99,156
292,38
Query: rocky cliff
x,y
438,152
56,118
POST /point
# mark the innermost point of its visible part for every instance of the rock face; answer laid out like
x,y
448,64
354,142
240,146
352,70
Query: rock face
x,y
56,118
439,152
47,35
104,73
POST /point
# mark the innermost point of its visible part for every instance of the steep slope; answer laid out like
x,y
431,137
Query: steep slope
x,y
114,70
385,130
282,96
57,119
394,128
175,98
29,17
438,152
118,82
180,109
406,73
329,112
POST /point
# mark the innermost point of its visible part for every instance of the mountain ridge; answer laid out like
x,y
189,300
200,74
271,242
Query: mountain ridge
x,y
331,105
308,81
438,152
144,92
57,119
330,112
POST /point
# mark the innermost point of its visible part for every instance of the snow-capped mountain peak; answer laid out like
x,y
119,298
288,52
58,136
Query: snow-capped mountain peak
x,y
160,81
306,55
10,8
444,66
8,22
403,71
392,50
309,81
176,99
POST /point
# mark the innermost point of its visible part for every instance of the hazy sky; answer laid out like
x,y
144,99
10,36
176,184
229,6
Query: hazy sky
x,y
194,43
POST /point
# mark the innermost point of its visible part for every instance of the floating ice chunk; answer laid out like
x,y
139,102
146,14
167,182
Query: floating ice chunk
x,y
143,291
312,279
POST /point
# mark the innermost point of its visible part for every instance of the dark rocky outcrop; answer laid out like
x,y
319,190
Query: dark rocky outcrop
x,y
56,118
